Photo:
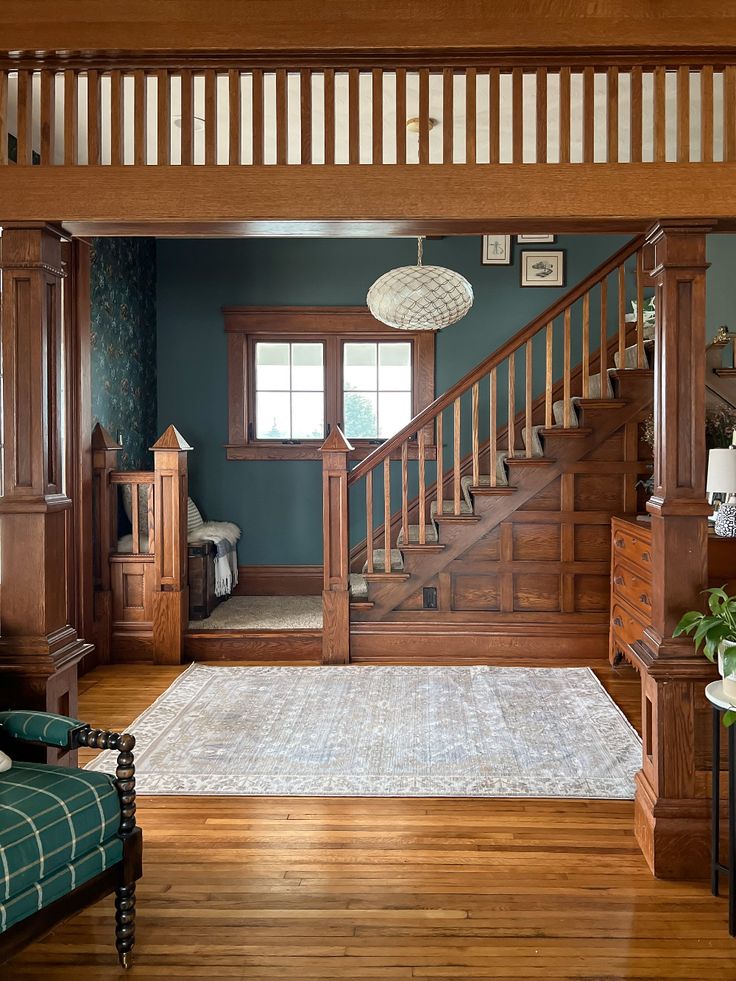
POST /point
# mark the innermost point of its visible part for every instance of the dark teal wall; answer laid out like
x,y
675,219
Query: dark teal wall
x,y
278,504
123,342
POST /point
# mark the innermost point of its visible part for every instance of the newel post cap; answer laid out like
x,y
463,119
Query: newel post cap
x,y
336,442
171,439
102,440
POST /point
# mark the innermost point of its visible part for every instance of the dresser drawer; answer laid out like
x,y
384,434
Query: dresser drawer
x,y
625,628
634,588
637,548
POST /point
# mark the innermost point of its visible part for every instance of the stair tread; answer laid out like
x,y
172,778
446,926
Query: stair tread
x,y
379,561
448,508
430,531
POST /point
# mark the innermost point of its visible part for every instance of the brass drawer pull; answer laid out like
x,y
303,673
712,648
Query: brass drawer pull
x,y
618,621
646,557
619,580
645,599
620,543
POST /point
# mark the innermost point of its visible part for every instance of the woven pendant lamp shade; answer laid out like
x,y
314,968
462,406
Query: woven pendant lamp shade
x,y
420,297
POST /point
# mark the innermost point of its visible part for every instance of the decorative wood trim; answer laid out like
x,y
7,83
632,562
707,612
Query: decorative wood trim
x,y
279,580
333,326
284,646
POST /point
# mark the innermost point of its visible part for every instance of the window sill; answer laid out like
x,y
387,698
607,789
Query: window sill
x,y
311,451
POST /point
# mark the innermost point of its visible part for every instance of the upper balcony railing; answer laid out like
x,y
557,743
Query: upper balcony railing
x,y
481,114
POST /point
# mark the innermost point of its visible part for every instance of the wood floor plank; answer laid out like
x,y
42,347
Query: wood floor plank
x,y
395,888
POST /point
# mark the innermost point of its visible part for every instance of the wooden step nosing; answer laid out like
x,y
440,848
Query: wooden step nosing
x,y
497,491
575,431
427,547
386,576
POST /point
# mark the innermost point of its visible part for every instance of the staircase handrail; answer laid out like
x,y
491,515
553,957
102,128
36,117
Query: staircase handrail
x,y
513,344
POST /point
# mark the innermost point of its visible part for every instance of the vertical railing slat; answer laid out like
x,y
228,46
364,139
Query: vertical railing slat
x,y
511,406
387,514
163,118
48,116
683,114
305,115
729,113
567,405
639,310
3,118
377,116
329,97
494,115
210,118
187,117
517,115
541,116
586,345
706,114
470,115
24,156
448,115
94,118
528,396
140,114
401,115
564,115
456,456
636,115
604,339
548,377
405,491
235,110
622,315
588,114
474,431
135,501
150,518
422,487
117,157
660,111
440,465
282,118
353,116
369,521
493,425
71,118
257,134
612,116
423,115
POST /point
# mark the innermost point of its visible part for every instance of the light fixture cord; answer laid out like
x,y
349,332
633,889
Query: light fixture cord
x,y
420,249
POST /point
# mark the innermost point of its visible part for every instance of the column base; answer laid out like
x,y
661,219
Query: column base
x,y
336,626
674,835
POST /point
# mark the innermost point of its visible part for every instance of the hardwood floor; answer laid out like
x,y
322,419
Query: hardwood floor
x,y
262,888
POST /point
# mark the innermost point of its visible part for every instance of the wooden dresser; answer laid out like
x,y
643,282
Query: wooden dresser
x,y
631,580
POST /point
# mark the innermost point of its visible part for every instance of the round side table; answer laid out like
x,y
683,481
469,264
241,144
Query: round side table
x,y
721,703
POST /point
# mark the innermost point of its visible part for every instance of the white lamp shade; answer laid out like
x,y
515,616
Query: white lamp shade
x,y
420,297
721,472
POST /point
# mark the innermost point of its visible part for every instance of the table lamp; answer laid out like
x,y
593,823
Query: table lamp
x,y
722,480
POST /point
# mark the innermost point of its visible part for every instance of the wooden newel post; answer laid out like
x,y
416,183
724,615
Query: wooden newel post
x,y
104,461
171,597
335,530
672,806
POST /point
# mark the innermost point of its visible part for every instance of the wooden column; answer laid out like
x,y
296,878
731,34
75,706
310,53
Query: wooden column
x,y
171,597
39,650
672,807
104,461
335,530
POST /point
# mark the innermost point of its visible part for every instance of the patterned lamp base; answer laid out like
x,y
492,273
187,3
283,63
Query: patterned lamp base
x,y
725,524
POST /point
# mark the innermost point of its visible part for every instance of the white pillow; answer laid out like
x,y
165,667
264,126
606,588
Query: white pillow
x,y
194,518
5,762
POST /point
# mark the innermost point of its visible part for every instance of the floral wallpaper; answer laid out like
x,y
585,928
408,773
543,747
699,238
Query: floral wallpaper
x,y
123,336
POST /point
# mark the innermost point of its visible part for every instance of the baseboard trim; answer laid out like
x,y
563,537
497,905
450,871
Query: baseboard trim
x,y
279,580
267,646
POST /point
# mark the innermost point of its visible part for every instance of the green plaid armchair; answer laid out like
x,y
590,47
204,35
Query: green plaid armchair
x,y
68,837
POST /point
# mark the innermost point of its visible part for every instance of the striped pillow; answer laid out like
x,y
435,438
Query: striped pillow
x,y
194,518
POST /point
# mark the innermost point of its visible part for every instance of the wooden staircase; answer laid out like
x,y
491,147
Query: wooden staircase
x,y
505,557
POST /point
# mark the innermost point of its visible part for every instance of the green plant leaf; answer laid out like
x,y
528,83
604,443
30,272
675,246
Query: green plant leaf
x,y
729,661
687,623
729,717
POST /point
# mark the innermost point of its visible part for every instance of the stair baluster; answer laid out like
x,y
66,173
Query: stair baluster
x,y
492,465
640,361
405,492
603,362
511,407
476,464
456,456
586,345
549,339
369,520
422,490
387,514
621,314
528,398
440,465
567,404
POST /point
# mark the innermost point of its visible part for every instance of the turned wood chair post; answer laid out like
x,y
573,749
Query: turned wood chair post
x,y
104,461
671,807
171,591
335,530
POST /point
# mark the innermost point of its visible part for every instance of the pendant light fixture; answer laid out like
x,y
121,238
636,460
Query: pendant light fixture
x,y
420,297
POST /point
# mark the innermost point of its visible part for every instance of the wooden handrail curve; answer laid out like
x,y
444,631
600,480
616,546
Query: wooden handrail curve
x,y
513,344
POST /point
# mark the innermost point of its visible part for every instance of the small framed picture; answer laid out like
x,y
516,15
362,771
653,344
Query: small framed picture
x,y
543,268
535,239
496,250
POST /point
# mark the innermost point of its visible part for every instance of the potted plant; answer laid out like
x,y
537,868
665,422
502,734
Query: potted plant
x,y
716,632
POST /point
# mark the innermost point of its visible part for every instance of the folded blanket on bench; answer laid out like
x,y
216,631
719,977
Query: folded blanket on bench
x,y
225,536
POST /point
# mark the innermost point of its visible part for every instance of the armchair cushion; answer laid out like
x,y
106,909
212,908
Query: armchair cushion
x,y
39,727
51,816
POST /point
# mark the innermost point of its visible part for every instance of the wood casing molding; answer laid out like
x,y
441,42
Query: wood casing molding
x,y
333,326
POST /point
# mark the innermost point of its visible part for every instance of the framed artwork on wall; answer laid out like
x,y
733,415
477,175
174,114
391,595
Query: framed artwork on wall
x,y
496,250
535,239
543,268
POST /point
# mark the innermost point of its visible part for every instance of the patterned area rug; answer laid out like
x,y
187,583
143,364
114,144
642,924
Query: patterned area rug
x,y
264,613
385,732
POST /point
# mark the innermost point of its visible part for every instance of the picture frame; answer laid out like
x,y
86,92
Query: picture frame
x,y
496,250
546,268
535,239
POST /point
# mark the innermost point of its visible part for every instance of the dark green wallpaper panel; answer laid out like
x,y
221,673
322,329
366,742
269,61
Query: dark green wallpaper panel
x,y
123,341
